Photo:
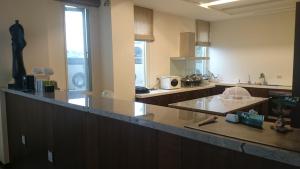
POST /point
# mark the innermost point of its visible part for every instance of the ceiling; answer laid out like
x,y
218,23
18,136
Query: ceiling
x,y
241,8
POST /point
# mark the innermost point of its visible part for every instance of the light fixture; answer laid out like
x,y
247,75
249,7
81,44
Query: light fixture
x,y
218,2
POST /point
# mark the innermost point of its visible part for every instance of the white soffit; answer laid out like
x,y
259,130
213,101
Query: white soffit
x,y
241,8
250,7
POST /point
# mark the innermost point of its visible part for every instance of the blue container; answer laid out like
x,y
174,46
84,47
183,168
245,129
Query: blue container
x,y
251,119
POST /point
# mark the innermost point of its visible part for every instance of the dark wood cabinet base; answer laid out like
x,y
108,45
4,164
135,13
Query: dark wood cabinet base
x,y
81,140
165,100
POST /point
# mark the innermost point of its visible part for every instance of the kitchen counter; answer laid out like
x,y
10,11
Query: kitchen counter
x,y
264,143
218,105
160,92
275,87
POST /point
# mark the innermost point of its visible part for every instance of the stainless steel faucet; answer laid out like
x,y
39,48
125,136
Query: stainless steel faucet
x,y
249,79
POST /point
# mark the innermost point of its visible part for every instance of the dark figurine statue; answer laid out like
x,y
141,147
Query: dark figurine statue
x,y
18,44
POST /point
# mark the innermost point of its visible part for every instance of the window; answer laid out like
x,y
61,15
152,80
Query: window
x,y
202,65
77,49
201,51
140,63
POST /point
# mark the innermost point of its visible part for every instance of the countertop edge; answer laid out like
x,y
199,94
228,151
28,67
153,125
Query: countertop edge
x,y
209,86
259,150
174,91
256,86
47,100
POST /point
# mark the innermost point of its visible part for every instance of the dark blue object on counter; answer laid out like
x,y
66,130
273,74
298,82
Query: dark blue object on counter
x,y
251,119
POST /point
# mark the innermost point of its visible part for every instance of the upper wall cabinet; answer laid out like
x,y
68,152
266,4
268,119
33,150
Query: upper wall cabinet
x,y
143,24
202,33
95,3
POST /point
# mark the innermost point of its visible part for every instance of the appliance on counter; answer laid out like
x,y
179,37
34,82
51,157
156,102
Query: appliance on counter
x,y
170,82
193,80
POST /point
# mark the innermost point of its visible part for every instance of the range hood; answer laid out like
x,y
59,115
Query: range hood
x,y
189,40
188,46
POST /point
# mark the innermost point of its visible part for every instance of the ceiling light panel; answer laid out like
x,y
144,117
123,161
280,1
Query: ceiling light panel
x,y
215,3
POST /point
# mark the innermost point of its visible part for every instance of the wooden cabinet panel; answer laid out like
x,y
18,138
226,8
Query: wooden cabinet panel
x,y
14,125
27,120
296,71
142,147
110,144
258,92
169,151
68,138
122,145
165,100
81,140
197,155
92,144
36,132
218,90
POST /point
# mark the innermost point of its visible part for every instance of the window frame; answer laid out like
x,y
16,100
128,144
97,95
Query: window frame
x,y
146,61
87,44
205,61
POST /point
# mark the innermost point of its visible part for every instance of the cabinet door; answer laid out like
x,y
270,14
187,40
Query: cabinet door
x,y
91,142
68,138
163,100
197,155
35,131
169,151
142,147
258,92
112,145
218,90
26,132
14,127
125,146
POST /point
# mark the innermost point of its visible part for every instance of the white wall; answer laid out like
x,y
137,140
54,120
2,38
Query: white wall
x,y
112,65
34,20
115,63
104,62
167,28
253,45
56,42
122,14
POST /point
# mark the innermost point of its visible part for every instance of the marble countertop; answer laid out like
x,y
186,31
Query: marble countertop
x,y
160,92
264,143
217,104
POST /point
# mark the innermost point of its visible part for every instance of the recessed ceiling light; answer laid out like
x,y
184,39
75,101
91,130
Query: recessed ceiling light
x,y
218,2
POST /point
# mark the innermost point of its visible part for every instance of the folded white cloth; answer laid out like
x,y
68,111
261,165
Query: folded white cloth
x,y
42,71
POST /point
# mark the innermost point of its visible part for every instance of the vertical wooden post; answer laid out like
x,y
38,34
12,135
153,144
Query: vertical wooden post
x,y
296,74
